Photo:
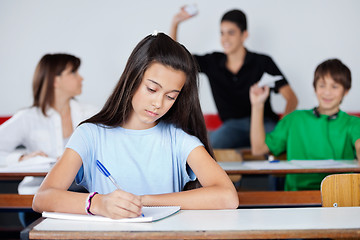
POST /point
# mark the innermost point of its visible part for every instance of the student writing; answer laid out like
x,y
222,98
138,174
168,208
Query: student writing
x,y
324,132
150,135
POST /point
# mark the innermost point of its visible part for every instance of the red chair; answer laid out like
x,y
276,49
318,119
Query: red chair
x,y
212,121
4,119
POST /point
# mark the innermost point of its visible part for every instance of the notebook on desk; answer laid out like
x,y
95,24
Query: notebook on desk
x,y
34,164
151,214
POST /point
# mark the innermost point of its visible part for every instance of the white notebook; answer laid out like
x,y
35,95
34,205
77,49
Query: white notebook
x,y
150,214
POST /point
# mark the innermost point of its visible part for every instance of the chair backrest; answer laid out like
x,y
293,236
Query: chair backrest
x,y
227,155
341,190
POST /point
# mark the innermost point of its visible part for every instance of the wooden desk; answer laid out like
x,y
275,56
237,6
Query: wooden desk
x,y
251,199
283,167
19,175
265,199
231,167
13,201
274,223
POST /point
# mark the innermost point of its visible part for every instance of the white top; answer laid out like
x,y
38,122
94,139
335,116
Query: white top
x,y
150,161
36,132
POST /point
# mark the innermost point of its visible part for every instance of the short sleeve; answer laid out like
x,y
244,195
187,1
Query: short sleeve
x,y
189,143
355,130
272,69
81,141
277,139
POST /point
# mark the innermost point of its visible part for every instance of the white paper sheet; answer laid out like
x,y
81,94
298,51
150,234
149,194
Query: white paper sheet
x,y
324,163
35,164
269,80
150,214
265,165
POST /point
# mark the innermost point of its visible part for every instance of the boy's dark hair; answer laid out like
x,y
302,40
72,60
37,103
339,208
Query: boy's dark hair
x,y
236,16
50,66
185,113
338,71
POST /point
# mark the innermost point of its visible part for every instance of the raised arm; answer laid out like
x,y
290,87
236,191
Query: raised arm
x,y
54,197
218,192
258,97
290,97
179,17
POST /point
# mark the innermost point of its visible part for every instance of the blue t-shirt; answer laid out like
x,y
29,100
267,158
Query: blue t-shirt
x,y
150,161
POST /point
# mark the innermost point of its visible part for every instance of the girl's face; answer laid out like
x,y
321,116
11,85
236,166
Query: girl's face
x,y
232,39
68,83
156,94
329,94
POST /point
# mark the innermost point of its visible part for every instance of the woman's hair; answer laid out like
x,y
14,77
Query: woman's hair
x,y
50,66
338,71
236,16
185,113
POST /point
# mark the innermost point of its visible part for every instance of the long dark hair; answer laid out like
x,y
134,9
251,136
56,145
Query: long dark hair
x,y
50,66
185,113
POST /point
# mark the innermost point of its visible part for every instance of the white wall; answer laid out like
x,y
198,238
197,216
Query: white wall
x,y
297,34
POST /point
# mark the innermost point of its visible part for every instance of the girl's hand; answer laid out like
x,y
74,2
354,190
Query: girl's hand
x,y
116,205
258,95
31,155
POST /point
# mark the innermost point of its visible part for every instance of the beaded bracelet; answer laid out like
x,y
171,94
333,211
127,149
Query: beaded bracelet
x,y
88,203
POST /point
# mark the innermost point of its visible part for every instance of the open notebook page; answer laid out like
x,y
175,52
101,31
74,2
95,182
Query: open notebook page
x,y
150,214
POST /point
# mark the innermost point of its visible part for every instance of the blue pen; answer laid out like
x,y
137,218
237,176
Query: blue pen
x,y
274,161
271,159
107,174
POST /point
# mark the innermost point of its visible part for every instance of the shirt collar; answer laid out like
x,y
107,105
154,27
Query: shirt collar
x,y
73,105
248,57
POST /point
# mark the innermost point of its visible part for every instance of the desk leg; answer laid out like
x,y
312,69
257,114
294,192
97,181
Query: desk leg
x,y
24,234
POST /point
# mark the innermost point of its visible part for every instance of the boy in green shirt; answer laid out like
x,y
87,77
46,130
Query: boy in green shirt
x,y
324,132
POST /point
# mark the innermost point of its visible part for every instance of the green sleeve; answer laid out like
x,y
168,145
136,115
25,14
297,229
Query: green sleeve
x,y
355,130
277,139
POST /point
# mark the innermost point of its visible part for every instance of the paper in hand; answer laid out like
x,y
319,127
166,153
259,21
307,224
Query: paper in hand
x,y
269,80
191,9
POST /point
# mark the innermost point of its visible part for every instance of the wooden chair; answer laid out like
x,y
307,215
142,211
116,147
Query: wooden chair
x,y
341,190
247,155
229,155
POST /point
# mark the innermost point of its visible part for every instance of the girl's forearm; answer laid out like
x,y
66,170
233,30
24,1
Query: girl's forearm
x,y
202,198
56,200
